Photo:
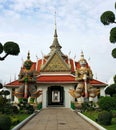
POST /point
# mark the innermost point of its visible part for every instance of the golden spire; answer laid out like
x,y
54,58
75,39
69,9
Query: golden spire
x,y
55,44
55,34
55,19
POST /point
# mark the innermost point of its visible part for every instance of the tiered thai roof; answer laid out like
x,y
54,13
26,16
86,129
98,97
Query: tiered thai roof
x,y
55,67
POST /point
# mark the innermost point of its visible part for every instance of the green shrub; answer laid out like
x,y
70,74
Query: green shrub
x,y
7,109
105,118
88,106
107,103
25,107
5,122
39,106
113,113
85,106
114,95
30,109
2,101
14,120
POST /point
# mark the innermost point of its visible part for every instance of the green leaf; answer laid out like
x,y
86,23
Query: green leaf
x,y
107,17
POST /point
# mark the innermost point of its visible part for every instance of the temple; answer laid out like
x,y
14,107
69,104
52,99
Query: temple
x,y
55,79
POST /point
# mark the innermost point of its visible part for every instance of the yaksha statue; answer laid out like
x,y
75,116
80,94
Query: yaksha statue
x,y
27,78
84,89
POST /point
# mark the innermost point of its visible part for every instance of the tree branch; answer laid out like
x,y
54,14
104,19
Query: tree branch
x,y
3,58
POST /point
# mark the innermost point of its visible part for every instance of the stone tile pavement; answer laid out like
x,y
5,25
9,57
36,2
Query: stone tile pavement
x,y
57,119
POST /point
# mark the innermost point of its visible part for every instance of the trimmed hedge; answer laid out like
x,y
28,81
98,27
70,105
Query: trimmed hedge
x,y
107,103
105,118
5,122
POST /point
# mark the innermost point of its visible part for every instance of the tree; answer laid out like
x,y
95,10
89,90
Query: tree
x,y
108,17
115,79
111,90
1,86
9,48
6,93
107,103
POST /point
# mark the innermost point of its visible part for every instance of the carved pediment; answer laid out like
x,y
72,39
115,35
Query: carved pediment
x,y
55,64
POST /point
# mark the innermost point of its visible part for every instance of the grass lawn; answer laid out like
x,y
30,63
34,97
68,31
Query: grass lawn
x,y
93,115
21,117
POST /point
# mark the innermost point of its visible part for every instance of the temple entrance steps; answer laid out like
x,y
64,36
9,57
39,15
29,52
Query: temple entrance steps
x,y
54,118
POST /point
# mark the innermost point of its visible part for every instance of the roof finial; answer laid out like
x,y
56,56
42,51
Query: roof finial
x,y
82,55
55,34
55,19
28,55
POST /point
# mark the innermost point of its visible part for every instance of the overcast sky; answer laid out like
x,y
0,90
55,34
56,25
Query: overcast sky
x,y
30,23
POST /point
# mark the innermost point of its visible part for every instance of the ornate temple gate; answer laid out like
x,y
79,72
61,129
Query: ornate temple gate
x,y
55,95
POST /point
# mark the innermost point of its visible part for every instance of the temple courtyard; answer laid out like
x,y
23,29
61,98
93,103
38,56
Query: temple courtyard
x,y
53,118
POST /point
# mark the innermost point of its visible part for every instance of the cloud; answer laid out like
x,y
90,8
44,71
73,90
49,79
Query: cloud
x,y
31,24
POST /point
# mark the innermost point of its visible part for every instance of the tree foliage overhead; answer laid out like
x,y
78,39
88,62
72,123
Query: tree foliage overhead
x,y
113,35
108,17
9,48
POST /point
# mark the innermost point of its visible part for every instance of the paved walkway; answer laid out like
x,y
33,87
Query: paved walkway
x,y
57,119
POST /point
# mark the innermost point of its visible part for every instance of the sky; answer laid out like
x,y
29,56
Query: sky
x,y
30,23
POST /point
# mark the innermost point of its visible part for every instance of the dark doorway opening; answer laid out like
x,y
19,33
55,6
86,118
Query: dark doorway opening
x,y
55,95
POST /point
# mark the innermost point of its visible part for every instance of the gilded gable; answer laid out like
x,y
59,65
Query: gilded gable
x,y
55,64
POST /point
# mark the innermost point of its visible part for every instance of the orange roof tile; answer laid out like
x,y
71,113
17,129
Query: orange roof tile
x,y
97,82
65,78
39,65
14,83
33,67
56,78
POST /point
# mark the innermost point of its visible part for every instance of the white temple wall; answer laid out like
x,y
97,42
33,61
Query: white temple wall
x,y
43,97
10,90
67,97
102,92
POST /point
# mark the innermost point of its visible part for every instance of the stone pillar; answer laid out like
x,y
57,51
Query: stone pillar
x,y
44,98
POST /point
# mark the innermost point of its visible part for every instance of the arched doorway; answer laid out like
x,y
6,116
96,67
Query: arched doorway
x,y
55,95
